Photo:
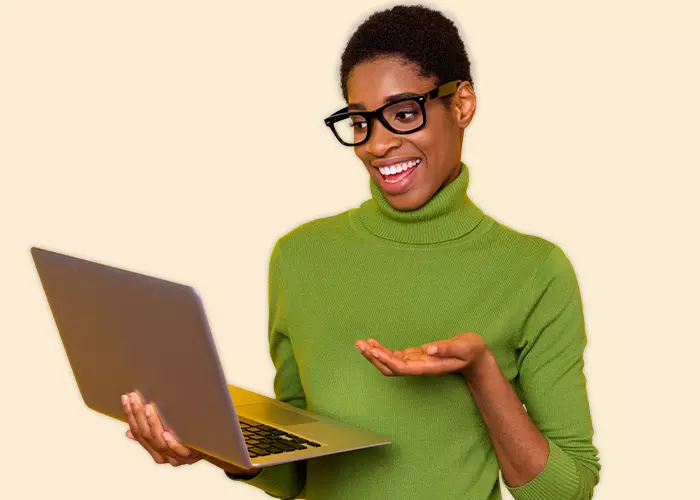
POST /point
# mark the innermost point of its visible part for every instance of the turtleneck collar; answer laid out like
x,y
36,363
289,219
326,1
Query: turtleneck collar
x,y
448,215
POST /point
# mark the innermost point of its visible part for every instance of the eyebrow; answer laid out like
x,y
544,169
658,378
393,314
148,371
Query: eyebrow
x,y
387,100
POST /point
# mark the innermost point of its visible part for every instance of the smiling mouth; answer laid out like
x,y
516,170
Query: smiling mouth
x,y
396,172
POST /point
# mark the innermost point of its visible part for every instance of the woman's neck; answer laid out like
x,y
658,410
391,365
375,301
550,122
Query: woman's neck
x,y
448,215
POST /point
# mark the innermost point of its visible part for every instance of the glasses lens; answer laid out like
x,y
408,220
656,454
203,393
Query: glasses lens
x,y
404,116
352,129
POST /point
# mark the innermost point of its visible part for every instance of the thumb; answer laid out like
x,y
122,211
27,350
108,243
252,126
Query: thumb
x,y
441,348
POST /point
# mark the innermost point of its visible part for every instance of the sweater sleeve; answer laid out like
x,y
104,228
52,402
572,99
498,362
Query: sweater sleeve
x,y
288,480
553,385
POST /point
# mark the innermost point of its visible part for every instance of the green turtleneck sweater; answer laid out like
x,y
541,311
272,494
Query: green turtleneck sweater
x,y
407,278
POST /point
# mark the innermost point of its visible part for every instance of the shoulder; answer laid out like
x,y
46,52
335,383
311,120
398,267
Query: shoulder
x,y
543,258
319,232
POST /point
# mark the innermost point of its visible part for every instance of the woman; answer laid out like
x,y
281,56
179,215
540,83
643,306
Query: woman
x,y
459,319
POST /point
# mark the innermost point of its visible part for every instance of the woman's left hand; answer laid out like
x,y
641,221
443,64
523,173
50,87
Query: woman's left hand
x,y
462,353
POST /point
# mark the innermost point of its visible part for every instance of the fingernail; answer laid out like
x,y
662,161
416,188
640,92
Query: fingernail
x,y
148,411
362,349
374,353
432,349
123,399
167,436
133,397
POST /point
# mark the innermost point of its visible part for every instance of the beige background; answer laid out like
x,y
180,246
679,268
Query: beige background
x,y
181,139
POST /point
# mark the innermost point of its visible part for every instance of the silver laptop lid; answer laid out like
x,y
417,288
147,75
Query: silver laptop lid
x,y
124,331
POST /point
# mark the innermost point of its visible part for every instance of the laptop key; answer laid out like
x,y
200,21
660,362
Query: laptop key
x,y
275,449
295,445
300,440
267,434
285,447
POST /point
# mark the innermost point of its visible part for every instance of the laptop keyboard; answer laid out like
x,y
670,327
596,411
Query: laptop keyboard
x,y
262,439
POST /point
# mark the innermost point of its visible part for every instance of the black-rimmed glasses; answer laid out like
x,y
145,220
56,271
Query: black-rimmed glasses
x,y
403,116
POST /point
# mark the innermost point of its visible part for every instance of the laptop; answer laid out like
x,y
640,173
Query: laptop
x,y
124,331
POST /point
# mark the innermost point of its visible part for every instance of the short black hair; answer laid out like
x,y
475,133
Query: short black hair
x,y
415,33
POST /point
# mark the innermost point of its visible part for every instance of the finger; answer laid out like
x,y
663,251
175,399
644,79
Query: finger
x,y
463,346
158,444
133,431
137,409
375,344
395,365
442,348
182,452
156,429
174,461
385,370
157,456
366,345
133,426
362,346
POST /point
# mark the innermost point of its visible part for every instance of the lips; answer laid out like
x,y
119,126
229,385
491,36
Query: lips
x,y
402,181
394,178
387,162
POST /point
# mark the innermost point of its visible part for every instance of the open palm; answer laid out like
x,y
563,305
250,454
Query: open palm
x,y
435,358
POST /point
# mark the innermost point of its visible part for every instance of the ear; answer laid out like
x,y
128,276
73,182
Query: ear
x,y
464,104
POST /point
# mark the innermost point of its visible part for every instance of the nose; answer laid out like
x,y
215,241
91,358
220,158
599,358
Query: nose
x,y
381,139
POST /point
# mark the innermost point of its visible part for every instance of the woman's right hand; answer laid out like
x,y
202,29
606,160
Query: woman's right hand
x,y
146,428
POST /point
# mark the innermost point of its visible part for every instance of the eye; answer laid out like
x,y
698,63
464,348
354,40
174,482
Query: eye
x,y
406,115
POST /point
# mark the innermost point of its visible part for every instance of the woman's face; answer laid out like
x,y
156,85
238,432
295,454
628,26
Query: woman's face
x,y
437,146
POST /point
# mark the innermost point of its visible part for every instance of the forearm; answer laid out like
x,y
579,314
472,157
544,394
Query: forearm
x,y
521,449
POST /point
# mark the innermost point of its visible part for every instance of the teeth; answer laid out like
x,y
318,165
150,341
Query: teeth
x,y
399,167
